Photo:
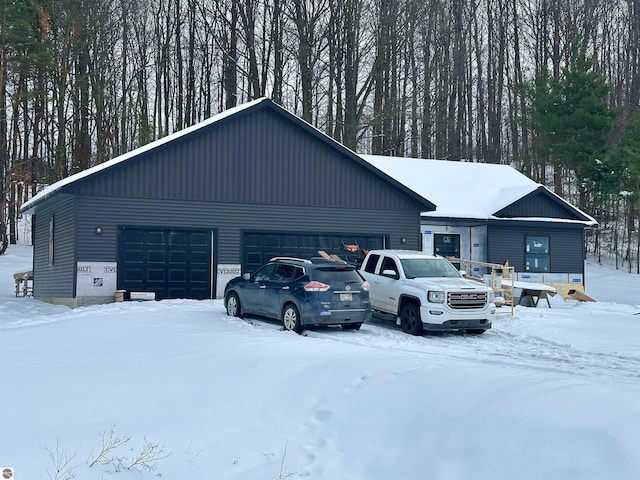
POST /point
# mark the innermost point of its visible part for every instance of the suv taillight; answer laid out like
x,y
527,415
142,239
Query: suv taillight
x,y
315,286
365,286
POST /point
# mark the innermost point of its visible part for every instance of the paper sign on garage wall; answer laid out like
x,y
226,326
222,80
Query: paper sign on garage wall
x,y
226,271
96,279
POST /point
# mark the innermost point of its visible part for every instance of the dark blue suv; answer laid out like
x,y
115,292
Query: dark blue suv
x,y
301,293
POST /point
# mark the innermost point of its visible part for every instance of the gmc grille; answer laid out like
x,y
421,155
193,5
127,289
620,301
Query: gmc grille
x,y
466,300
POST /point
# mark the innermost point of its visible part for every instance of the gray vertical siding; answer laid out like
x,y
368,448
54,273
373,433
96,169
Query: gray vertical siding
x,y
566,245
229,221
256,159
57,280
540,204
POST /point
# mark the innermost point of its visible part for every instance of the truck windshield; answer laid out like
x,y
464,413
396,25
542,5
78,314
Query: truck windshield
x,y
428,267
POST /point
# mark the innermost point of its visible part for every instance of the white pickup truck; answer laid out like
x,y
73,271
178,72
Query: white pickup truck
x,y
426,292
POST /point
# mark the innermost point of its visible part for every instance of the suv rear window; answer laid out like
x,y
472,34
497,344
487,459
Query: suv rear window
x,y
330,275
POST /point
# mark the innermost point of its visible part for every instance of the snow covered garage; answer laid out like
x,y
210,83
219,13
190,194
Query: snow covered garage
x,y
180,216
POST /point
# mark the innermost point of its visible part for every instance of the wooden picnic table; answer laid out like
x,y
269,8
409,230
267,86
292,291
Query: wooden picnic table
x,y
532,292
24,283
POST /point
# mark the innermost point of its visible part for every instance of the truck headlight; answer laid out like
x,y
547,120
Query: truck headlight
x,y
435,296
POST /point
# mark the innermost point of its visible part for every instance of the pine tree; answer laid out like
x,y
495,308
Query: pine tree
x,y
572,122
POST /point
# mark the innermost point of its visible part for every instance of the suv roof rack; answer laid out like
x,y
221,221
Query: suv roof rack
x,y
327,260
294,259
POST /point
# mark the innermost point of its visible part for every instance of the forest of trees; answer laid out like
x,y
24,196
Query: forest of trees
x,y
551,87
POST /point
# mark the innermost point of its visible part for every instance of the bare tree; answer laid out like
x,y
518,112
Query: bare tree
x,y
309,18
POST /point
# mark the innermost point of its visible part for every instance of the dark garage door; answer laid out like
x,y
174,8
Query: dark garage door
x,y
259,247
173,263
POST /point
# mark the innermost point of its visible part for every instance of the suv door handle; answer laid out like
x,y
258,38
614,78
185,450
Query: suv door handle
x,y
285,288
263,286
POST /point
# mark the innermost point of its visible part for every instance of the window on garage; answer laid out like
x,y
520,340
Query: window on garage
x,y
51,244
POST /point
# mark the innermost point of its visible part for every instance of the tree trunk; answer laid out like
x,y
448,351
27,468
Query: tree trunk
x,y
247,15
179,92
278,52
351,68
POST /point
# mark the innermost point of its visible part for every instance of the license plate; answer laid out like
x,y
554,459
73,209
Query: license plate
x,y
346,297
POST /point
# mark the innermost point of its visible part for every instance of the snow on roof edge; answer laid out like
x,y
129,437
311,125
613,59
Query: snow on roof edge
x,y
53,188
489,205
591,219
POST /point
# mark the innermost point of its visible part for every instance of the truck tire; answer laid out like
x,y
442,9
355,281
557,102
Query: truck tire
x,y
410,320
476,331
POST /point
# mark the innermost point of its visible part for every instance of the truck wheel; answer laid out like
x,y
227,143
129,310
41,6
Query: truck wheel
x,y
476,331
410,320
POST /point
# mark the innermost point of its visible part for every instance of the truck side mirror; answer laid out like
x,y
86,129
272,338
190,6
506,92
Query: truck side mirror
x,y
391,274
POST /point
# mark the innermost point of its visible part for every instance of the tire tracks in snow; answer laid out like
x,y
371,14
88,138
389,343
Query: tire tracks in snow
x,y
495,346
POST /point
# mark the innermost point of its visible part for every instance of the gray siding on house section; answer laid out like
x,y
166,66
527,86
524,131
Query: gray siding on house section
x,y
539,205
56,280
566,245
229,221
259,159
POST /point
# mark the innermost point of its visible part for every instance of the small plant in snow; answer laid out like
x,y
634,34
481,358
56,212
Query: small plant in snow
x,y
282,475
147,457
107,455
61,459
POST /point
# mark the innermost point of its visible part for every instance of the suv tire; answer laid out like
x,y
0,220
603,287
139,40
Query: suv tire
x,y
291,318
351,326
234,308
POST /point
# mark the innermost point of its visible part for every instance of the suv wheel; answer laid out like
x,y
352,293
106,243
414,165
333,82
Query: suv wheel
x,y
291,318
410,319
233,305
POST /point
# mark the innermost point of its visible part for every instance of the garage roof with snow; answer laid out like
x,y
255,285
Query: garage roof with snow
x,y
246,108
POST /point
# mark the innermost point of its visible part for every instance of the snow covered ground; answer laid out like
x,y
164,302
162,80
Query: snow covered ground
x,y
178,390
